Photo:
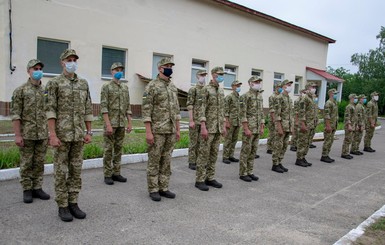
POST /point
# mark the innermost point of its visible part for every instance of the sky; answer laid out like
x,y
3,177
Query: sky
x,y
354,24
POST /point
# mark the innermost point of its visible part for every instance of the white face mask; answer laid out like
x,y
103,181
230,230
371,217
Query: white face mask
x,y
375,97
71,67
288,89
202,80
256,86
313,90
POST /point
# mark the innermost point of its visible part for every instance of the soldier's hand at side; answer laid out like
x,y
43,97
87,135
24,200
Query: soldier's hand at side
x,y
224,133
247,132
303,128
204,133
129,128
350,128
372,125
149,138
280,130
19,141
227,124
328,129
54,141
109,129
87,139
262,129
192,124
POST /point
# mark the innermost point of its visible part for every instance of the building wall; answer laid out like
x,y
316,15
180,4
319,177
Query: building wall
x,y
185,29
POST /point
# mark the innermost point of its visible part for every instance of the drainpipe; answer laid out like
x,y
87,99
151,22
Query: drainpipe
x,y
11,66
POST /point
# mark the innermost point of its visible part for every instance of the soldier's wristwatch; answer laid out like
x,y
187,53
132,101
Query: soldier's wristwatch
x,y
90,133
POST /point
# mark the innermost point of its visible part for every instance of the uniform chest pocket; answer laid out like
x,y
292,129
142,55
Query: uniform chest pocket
x,y
80,95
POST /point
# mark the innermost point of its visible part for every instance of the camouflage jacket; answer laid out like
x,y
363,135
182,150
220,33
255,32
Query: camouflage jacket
x,y
306,111
251,104
194,101
212,110
232,109
115,100
361,115
68,101
284,112
28,107
351,115
372,111
160,106
331,113
271,102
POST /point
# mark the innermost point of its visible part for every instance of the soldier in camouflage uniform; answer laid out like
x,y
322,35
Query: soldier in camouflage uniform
x,y
253,122
294,137
315,108
284,125
306,125
211,116
232,123
161,116
358,133
68,108
350,126
371,121
31,132
193,104
331,123
270,139
116,110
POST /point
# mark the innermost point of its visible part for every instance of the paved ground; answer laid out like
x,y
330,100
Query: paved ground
x,y
315,205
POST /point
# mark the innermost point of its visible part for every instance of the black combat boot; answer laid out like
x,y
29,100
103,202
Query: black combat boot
x,y
39,193
192,166
233,159
326,159
355,153
75,211
119,178
301,162
293,148
369,149
277,168
167,194
245,178
65,214
331,159
308,163
312,146
269,151
283,168
201,186
347,156
256,156
108,181
253,177
155,196
27,196
213,183
226,160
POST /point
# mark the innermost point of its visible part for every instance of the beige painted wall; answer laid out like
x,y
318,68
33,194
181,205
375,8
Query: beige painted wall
x,y
185,29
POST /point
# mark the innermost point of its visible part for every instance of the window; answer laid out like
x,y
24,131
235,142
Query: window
x,y
49,51
230,76
155,59
297,85
278,78
110,56
255,72
195,67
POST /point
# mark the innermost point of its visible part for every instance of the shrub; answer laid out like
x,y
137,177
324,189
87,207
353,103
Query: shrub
x,y
9,158
92,151
341,110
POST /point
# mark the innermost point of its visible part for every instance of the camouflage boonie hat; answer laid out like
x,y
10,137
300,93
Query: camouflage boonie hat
x,y
34,62
165,61
374,93
286,81
333,90
218,70
352,96
236,82
311,84
117,65
255,78
202,72
67,53
361,96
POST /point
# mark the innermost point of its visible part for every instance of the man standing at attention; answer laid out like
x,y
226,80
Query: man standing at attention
x,y
193,105
350,125
270,140
161,116
211,116
115,108
358,133
284,124
69,105
253,121
371,121
31,131
232,123
294,137
331,123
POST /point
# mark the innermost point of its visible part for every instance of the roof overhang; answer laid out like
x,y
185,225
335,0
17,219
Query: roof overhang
x,y
270,18
325,75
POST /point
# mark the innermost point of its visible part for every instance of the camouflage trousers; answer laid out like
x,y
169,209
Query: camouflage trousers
x,y
248,151
347,142
159,162
32,158
194,143
294,137
369,132
279,147
303,143
68,160
312,137
207,157
270,138
230,141
357,137
328,142
113,151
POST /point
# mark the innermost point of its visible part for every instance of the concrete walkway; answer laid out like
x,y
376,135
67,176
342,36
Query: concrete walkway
x,y
315,205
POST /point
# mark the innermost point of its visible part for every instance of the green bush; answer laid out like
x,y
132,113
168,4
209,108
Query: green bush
x,y
92,151
138,147
341,110
183,142
9,158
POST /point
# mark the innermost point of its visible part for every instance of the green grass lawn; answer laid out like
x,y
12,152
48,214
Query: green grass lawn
x,y
374,234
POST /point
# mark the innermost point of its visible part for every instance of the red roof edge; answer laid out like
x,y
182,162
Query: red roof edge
x,y
274,20
324,74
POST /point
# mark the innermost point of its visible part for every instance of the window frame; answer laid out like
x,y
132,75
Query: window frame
x,y
297,84
234,73
276,80
109,77
155,65
45,62
197,68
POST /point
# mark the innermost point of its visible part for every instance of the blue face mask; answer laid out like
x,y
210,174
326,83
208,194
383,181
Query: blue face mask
x,y
365,100
238,90
280,90
118,75
37,75
220,78
335,96
167,71
355,101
